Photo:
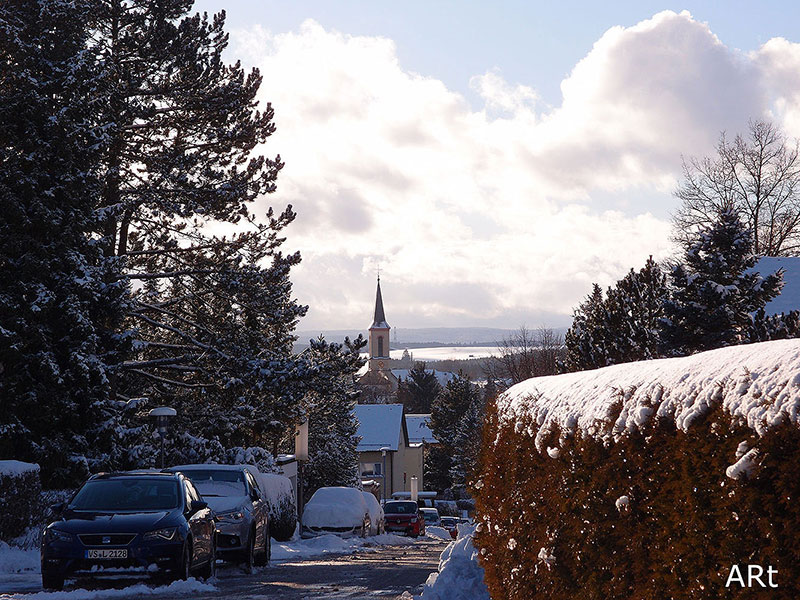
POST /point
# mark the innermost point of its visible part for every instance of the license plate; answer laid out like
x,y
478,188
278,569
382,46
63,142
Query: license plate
x,y
107,553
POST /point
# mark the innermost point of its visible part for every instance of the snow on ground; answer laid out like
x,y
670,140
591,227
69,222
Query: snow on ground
x,y
759,383
439,533
191,586
16,560
333,544
460,576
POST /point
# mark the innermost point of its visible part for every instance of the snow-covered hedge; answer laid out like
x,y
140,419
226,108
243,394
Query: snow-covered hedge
x,y
282,505
648,479
19,496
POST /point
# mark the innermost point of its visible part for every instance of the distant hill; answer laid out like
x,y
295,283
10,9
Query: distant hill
x,y
425,337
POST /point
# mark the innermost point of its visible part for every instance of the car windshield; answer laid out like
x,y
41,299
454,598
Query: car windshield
x,y
400,508
127,494
211,482
448,521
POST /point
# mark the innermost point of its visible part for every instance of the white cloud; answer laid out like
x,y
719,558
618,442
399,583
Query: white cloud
x,y
485,216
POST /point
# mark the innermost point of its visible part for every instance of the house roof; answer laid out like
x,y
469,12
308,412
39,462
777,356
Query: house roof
x,y
789,298
380,426
419,429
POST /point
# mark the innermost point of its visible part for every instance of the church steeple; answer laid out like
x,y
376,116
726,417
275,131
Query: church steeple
x,y
379,335
379,320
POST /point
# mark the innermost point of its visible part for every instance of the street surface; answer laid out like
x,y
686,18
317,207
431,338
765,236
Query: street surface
x,y
379,572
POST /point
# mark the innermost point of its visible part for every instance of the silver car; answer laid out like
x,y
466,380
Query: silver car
x,y
242,514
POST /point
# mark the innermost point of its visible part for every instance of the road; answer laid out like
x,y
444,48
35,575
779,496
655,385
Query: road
x,y
379,572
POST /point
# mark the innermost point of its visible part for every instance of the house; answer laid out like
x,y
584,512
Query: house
x,y
386,454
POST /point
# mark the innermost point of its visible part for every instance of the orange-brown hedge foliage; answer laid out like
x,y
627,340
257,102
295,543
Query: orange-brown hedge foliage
x,y
686,525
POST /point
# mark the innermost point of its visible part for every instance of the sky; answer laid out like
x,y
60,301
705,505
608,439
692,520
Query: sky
x,y
495,160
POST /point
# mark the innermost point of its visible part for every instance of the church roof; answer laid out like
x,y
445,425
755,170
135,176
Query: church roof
x,y
379,321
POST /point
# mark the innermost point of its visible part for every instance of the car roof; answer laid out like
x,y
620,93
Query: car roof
x,y
132,474
214,466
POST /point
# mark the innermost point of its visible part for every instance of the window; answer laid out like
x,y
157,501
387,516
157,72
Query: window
x,y
371,469
380,345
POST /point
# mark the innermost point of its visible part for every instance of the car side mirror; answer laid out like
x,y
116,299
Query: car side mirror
x,y
57,509
197,505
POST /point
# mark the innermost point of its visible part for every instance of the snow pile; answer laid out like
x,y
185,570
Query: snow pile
x,y
460,576
188,587
335,507
759,383
333,544
439,533
17,560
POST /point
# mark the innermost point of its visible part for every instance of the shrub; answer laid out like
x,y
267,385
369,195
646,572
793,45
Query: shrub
x,y
652,515
20,488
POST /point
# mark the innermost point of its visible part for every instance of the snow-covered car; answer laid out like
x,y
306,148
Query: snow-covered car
x,y
242,515
339,510
377,525
431,516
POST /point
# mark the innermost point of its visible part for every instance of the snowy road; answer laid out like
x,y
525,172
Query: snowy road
x,y
370,572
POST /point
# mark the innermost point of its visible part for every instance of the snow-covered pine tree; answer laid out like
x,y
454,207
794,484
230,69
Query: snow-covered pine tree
x,y
467,442
332,426
447,412
585,340
418,391
714,292
61,299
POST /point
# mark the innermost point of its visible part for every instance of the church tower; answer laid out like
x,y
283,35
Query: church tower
x,y
379,336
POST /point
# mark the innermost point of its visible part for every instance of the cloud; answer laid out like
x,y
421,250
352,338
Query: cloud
x,y
484,215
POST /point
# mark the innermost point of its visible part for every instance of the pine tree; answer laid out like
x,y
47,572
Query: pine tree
x,y
419,390
586,338
714,290
458,400
61,299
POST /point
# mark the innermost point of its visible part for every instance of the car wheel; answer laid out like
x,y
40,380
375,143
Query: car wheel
x,y
210,570
184,568
250,554
263,559
52,581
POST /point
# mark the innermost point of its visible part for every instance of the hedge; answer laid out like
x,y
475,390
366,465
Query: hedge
x,y
20,489
655,515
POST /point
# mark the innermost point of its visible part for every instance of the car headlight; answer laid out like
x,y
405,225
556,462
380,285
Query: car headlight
x,y
233,516
166,533
54,535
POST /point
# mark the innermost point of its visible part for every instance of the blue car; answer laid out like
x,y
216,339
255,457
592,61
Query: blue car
x,y
146,521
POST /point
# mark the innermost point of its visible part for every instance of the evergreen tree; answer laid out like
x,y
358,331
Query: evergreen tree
x,y
419,390
586,338
714,290
454,415
61,298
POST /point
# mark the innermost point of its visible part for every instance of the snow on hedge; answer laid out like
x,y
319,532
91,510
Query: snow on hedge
x,y
759,383
15,468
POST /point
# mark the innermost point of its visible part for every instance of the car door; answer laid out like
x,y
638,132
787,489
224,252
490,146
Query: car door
x,y
260,511
201,525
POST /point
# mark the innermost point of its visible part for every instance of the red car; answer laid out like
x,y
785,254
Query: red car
x,y
451,524
403,516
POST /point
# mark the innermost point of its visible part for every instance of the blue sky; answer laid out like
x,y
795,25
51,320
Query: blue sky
x,y
497,159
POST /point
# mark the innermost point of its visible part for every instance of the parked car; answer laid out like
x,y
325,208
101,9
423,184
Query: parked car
x,y
135,520
403,516
242,514
339,510
376,518
451,524
431,516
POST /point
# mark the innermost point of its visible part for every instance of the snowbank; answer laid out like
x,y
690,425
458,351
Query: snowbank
x,y
759,383
439,533
17,560
333,544
460,576
189,587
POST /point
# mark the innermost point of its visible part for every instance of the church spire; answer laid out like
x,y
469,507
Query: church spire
x,y
379,319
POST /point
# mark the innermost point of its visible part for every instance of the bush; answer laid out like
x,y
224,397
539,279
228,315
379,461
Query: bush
x,y
652,515
20,488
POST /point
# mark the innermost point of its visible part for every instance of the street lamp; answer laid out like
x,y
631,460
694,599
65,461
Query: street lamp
x,y
383,453
161,417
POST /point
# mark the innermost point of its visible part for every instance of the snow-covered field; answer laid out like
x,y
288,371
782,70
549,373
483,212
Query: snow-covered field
x,y
759,383
447,353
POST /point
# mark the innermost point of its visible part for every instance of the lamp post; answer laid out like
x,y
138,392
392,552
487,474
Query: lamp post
x,y
414,488
161,417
